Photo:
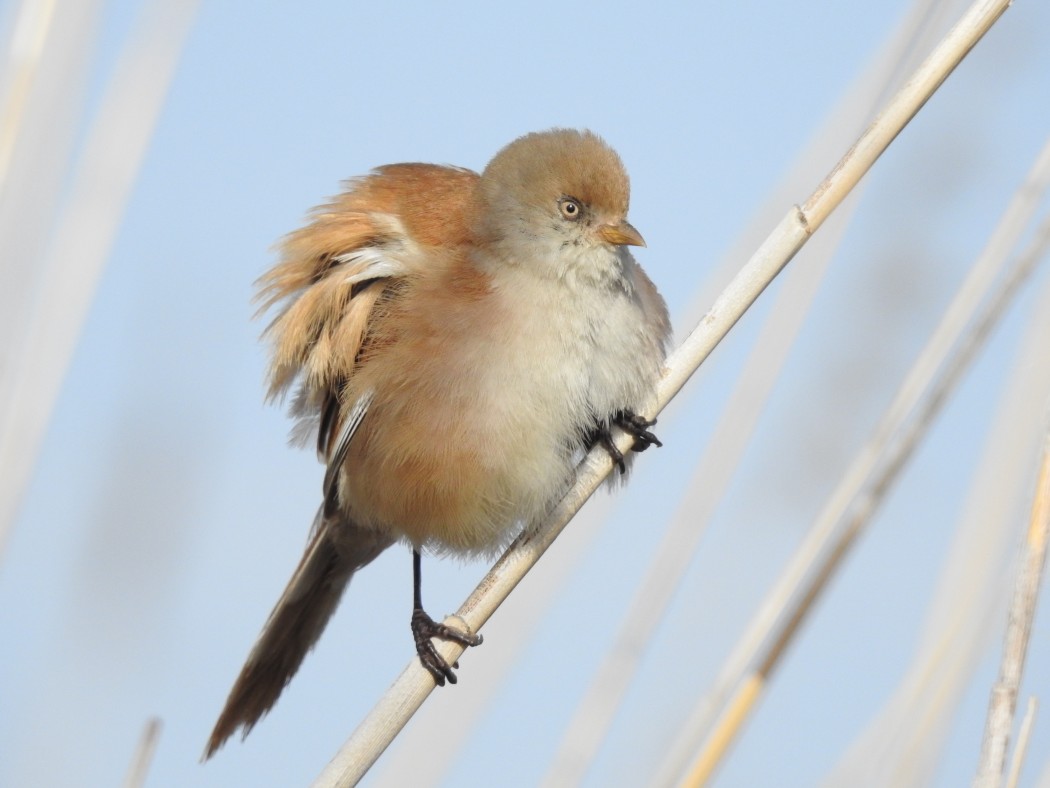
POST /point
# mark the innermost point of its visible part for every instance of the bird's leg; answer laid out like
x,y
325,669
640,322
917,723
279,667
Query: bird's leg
x,y
631,423
601,434
424,628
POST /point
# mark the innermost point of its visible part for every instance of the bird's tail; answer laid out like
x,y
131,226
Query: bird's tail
x,y
336,550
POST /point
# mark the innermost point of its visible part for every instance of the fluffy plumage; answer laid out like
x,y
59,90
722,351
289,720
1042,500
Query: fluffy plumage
x,y
482,330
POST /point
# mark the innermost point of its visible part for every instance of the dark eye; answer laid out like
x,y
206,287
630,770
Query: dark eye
x,y
570,208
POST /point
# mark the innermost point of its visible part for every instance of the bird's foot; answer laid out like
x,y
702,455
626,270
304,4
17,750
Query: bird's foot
x,y
423,629
638,427
634,425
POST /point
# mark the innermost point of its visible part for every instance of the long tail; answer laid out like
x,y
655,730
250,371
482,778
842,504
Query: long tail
x,y
296,623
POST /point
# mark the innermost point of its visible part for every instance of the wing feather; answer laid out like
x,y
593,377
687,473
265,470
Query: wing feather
x,y
346,434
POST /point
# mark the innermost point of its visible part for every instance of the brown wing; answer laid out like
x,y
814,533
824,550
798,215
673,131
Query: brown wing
x,y
334,270
331,275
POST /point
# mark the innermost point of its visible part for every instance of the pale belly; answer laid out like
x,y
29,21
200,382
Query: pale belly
x,y
473,434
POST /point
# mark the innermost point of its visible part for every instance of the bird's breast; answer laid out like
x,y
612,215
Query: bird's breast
x,y
482,403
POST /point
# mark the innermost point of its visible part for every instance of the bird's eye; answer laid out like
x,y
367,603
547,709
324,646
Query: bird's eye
x,y
570,208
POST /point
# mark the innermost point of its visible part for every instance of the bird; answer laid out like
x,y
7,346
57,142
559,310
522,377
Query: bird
x,y
456,343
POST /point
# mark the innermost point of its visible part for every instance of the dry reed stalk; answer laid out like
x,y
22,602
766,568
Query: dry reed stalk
x,y
715,469
1021,750
414,684
81,239
872,473
143,754
1003,700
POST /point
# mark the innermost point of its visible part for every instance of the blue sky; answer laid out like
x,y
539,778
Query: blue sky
x,y
166,511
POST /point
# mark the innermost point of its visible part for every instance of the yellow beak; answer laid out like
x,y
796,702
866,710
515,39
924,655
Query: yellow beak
x,y
622,234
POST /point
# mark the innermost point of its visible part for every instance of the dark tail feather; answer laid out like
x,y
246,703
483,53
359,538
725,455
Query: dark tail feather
x,y
295,624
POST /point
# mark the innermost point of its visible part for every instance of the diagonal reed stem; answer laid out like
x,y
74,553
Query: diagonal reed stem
x,y
412,687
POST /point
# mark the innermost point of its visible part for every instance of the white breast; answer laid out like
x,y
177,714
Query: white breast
x,y
572,352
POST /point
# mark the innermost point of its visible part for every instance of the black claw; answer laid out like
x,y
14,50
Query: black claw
x,y
634,425
423,629
638,427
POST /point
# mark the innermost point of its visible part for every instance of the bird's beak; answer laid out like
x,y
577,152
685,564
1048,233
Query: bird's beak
x,y
622,234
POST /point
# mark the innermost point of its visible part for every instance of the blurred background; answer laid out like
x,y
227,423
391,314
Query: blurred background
x,y
152,152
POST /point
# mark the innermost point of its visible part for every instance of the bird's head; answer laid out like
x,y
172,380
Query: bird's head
x,y
557,199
